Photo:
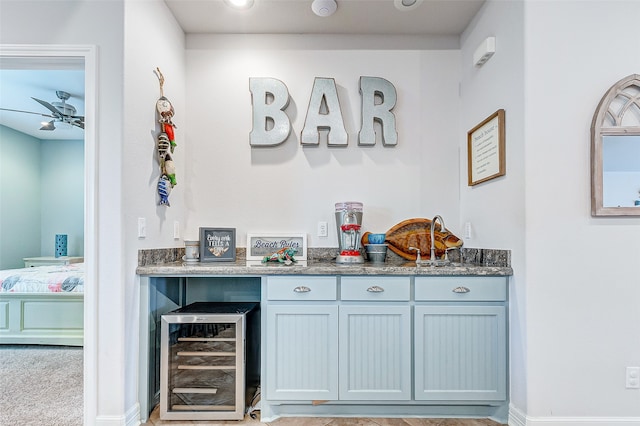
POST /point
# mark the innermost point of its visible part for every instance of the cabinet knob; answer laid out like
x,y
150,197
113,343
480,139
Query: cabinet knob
x,y
375,289
461,290
302,289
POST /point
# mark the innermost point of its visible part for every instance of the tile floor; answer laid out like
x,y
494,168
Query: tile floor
x,y
154,420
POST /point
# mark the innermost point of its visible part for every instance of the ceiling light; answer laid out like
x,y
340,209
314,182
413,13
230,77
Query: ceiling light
x,y
405,5
324,8
239,4
47,125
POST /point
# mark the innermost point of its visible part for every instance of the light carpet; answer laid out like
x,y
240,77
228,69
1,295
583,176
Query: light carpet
x,y
40,385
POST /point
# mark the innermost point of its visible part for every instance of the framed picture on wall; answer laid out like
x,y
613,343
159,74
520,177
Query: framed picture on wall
x,y
485,149
217,244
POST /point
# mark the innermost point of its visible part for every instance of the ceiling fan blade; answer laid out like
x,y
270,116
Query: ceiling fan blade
x,y
75,122
47,105
27,112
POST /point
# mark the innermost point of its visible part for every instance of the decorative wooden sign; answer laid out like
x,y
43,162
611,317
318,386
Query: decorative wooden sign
x,y
485,149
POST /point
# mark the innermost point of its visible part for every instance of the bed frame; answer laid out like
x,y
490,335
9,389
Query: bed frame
x,y
42,318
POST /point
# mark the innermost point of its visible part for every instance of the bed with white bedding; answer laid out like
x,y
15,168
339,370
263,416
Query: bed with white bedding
x,y
42,305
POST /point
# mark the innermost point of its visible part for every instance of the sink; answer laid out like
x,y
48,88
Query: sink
x,y
428,263
434,262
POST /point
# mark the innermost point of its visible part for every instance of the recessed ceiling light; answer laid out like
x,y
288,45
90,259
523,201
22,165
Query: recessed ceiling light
x,y
324,8
405,5
239,4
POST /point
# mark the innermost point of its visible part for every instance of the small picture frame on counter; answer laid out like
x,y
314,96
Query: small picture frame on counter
x,y
217,244
260,245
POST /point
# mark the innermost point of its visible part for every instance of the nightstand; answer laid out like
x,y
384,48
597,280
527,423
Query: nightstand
x,y
50,260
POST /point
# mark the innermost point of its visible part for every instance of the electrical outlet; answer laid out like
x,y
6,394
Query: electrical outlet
x,y
633,378
467,230
142,227
176,230
322,229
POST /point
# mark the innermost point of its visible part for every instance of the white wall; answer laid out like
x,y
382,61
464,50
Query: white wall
x,y
41,194
153,40
583,309
19,198
579,272
290,187
99,23
62,195
496,208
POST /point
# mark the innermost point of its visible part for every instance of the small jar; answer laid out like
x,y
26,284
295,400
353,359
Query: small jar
x,y
191,250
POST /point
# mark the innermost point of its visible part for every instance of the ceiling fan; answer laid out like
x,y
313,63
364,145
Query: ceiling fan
x,y
61,112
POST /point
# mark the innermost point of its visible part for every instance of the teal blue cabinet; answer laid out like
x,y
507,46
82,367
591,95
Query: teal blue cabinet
x,y
301,338
375,353
375,339
378,339
460,339
302,352
460,353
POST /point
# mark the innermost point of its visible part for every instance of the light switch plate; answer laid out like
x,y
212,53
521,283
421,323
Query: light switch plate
x,y
142,227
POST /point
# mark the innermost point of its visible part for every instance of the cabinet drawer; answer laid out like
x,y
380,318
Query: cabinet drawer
x,y
373,288
461,288
301,288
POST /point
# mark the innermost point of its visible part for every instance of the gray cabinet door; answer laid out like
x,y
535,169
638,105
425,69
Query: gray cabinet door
x,y
302,352
375,352
460,353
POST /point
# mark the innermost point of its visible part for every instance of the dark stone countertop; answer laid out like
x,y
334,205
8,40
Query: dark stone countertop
x,y
480,262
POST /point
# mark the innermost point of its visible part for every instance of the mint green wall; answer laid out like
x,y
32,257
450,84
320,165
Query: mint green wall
x,y
19,197
62,195
41,194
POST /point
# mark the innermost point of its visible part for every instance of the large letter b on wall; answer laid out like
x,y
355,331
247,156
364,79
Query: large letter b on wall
x,y
271,125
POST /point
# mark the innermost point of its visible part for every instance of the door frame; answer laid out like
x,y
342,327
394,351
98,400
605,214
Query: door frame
x,y
88,53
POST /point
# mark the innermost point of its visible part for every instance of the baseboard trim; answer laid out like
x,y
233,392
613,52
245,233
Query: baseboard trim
x,y
130,418
109,421
133,415
518,418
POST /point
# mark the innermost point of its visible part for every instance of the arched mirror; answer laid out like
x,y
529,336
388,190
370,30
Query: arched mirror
x,y
615,151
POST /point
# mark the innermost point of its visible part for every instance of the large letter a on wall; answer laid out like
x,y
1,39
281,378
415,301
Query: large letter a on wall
x,y
271,125
324,113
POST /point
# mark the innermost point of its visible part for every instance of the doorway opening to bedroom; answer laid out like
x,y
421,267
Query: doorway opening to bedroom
x,y
42,163
45,194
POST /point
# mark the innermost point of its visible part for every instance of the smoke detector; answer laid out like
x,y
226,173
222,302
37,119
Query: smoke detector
x,y
406,5
324,8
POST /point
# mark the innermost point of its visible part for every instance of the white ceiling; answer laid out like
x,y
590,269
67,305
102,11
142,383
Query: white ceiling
x,y
20,81
431,17
19,84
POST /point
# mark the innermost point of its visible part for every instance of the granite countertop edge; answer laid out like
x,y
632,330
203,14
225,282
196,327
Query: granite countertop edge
x,y
199,269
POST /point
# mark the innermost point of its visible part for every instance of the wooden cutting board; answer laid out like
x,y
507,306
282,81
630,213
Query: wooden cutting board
x,y
417,233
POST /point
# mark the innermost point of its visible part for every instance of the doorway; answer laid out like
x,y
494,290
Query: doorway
x,y
84,57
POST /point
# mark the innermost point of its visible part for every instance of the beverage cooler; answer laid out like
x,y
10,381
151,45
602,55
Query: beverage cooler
x,y
209,360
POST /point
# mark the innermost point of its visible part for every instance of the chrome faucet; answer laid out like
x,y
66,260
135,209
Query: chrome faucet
x,y
432,260
433,239
418,258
